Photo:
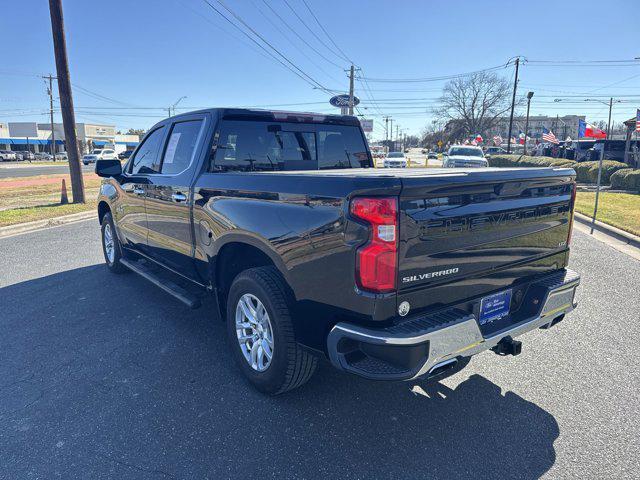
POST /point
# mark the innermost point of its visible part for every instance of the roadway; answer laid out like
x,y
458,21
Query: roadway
x,y
103,376
31,170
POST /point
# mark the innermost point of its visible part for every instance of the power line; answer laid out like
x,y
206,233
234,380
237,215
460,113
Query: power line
x,y
580,62
435,79
300,36
232,35
325,31
99,96
314,33
291,41
302,74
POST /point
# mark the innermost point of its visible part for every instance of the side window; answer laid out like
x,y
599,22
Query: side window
x,y
248,146
243,147
341,147
293,150
181,146
147,158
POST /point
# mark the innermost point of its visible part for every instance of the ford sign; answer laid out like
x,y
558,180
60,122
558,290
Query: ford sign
x,y
343,101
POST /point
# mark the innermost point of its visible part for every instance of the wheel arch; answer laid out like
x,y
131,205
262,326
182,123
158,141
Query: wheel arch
x,y
103,209
236,254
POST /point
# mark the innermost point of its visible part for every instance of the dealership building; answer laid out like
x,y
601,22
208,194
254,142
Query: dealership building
x,y
37,137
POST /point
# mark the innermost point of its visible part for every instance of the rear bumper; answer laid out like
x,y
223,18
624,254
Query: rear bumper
x,y
420,346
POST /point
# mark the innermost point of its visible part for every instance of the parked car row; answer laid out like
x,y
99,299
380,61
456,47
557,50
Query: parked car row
x,y
103,154
23,155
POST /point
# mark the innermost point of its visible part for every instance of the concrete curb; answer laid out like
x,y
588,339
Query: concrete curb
x,y
11,230
614,232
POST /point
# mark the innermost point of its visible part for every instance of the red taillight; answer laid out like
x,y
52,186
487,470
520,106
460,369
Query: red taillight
x,y
572,206
377,260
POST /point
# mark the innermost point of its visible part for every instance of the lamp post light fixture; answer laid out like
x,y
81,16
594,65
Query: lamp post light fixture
x,y
526,123
173,107
608,136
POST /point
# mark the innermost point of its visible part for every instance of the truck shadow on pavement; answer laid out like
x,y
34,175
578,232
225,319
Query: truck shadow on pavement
x,y
104,376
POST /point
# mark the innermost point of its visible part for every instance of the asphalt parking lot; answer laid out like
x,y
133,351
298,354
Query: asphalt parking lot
x,y
22,169
103,376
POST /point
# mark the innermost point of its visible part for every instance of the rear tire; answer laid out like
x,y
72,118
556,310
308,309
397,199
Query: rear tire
x,y
111,245
263,293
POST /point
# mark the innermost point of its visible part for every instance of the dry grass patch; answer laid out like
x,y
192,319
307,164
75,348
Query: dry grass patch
x,y
622,210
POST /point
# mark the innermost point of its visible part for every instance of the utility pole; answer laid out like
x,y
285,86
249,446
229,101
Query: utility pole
x,y
513,105
386,128
351,101
53,133
391,131
66,100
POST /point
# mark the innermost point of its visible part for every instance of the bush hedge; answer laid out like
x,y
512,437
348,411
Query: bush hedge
x,y
527,161
586,172
626,179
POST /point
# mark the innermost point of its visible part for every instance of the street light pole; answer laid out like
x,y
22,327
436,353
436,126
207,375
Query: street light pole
x,y
173,107
526,123
595,207
513,105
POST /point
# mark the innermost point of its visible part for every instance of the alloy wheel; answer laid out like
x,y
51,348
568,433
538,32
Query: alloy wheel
x,y
254,332
109,247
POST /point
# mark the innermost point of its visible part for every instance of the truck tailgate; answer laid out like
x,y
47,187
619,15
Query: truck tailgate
x,y
475,223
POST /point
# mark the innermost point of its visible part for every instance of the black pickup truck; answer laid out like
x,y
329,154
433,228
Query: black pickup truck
x,y
309,252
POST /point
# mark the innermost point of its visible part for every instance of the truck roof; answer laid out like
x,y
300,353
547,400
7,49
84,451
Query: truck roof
x,y
276,116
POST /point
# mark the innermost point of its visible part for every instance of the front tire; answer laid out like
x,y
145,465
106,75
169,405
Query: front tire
x,y
260,329
111,245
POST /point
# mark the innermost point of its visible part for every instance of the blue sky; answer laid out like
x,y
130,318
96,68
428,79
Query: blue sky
x,y
146,53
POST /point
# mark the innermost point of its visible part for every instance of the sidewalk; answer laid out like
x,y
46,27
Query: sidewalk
x,y
619,239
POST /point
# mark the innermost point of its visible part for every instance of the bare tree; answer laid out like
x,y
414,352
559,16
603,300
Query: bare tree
x,y
475,103
434,132
136,131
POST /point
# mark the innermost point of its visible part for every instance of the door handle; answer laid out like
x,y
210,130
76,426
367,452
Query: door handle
x,y
178,197
138,191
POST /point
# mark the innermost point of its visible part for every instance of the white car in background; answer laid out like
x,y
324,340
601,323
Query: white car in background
x,y
7,155
395,160
104,154
461,156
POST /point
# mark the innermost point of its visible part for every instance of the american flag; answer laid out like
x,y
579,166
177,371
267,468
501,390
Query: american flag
x,y
638,120
497,140
548,136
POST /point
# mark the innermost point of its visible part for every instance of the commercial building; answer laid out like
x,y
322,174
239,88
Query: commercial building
x,y
90,136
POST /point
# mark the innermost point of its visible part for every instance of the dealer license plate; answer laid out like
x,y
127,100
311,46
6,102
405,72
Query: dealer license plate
x,y
494,307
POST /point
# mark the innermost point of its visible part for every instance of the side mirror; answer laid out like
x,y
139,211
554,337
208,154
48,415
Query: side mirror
x,y
108,168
